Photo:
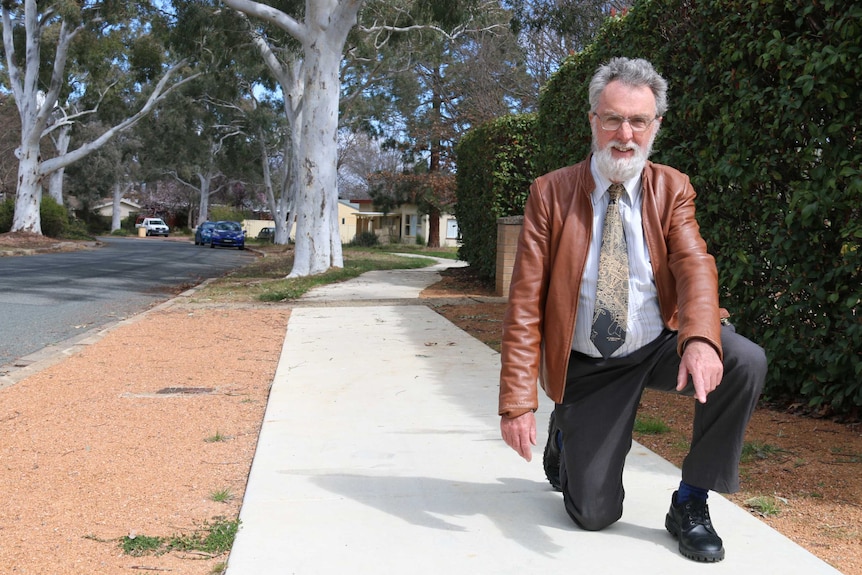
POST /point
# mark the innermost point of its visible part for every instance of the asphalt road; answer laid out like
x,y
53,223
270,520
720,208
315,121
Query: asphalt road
x,y
49,298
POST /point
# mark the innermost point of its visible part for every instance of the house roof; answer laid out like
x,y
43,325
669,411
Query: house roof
x,y
104,203
359,195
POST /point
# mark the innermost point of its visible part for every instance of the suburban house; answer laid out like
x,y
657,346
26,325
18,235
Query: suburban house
x,y
106,208
346,223
403,224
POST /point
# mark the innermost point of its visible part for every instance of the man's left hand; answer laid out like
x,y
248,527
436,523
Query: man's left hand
x,y
700,361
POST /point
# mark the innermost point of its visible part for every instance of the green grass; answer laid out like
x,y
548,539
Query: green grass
x,y
265,278
212,539
650,426
217,438
221,496
137,545
757,450
293,288
765,505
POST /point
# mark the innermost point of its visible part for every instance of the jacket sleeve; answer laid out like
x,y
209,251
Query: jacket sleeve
x,y
695,273
521,353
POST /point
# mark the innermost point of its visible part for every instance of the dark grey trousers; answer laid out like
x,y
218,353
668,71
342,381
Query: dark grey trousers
x,y
598,413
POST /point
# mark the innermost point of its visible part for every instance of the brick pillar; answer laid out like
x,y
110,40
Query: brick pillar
x,y
508,230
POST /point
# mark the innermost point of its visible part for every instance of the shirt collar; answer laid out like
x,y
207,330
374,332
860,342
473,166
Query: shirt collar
x,y
632,186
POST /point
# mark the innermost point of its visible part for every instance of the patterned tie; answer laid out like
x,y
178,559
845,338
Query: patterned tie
x,y
612,288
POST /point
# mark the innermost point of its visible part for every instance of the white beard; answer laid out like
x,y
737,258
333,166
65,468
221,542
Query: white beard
x,y
621,170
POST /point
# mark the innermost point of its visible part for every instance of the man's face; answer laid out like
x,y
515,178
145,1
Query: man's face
x,y
622,153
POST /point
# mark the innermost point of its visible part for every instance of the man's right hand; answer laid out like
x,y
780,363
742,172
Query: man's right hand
x,y
519,433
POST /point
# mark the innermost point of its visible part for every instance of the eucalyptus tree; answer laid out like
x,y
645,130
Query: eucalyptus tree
x,y
203,138
105,52
110,171
248,71
311,86
436,69
273,136
310,83
193,139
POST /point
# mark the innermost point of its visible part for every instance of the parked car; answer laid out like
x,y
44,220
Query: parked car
x,y
228,234
267,233
154,226
203,233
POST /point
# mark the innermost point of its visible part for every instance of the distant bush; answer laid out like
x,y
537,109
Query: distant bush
x,y
95,223
366,240
78,230
55,218
219,213
7,212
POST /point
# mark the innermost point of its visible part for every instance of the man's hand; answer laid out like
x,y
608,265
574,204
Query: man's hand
x,y
700,361
519,433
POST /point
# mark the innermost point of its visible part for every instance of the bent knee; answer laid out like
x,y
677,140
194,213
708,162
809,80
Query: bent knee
x,y
745,357
597,522
592,517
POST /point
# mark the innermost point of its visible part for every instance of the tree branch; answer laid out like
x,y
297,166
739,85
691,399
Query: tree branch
x,y
160,92
273,16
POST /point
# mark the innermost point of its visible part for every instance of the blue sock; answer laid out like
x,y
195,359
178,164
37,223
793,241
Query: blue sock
x,y
687,492
559,439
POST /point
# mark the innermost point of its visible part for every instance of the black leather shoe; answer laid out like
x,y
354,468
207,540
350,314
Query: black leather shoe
x,y
551,457
690,523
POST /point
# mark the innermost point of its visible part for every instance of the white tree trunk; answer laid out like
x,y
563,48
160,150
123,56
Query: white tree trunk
x,y
317,201
55,181
116,219
55,185
29,198
280,205
204,210
322,35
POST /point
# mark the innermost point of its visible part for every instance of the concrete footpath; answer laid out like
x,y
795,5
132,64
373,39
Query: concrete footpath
x,y
380,454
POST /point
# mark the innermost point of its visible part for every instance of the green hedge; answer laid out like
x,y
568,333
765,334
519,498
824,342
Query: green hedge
x,y
54,217
764,116
495,168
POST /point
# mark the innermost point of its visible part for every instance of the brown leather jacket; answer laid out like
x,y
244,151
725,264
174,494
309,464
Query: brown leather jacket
x,y
543,298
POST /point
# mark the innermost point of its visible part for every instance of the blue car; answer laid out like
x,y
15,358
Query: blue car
x,y
228,234
203,233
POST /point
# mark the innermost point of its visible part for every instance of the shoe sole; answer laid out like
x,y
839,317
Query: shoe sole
x,y
673,529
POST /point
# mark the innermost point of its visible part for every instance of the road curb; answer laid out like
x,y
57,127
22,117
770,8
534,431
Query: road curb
x,y
31,364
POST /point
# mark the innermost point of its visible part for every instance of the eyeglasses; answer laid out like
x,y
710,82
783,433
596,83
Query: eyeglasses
x,y
612,122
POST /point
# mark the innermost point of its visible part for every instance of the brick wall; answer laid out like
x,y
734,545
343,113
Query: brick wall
x,y
508,230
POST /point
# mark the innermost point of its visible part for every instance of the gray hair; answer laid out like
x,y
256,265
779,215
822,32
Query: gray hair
x,y
632,72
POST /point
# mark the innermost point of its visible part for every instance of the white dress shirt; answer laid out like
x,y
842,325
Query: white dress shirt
x,y
644,318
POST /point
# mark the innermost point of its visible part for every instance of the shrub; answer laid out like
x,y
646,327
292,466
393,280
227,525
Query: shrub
x,y
55,218
77,230
218,213
7,212
495,169
366,240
